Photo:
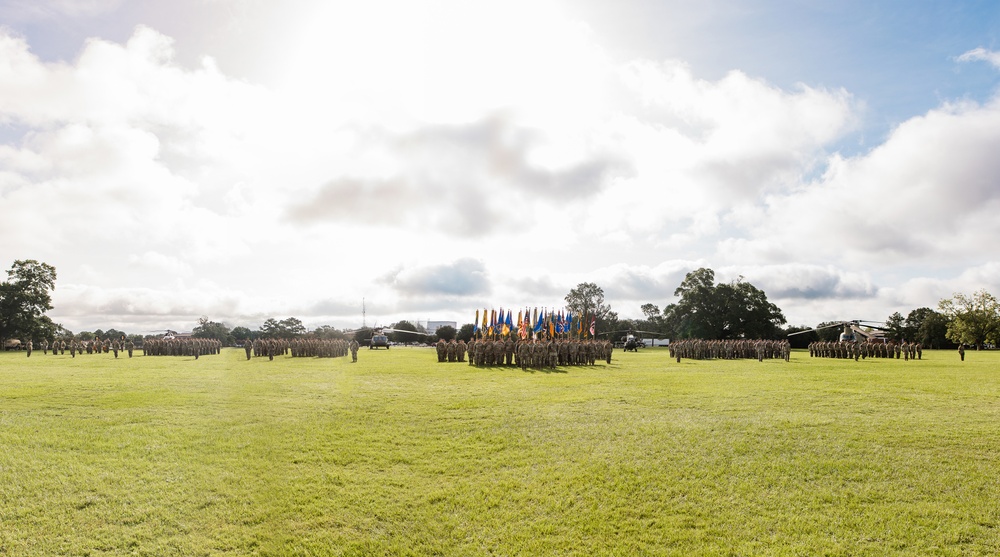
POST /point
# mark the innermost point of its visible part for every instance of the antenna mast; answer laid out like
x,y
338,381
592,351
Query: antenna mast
x,y
364,323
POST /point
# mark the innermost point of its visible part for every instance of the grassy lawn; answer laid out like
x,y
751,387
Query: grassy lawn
x,y
401,455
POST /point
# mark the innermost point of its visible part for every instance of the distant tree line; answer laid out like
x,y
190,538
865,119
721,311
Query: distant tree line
x,y
706,309
713,310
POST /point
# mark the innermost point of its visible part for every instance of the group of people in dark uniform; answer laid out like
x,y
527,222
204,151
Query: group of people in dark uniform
x,y
94,346
732,349
528,353
300,348
196,347
866,349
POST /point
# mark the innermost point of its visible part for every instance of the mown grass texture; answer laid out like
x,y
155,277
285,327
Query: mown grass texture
x,y
401,455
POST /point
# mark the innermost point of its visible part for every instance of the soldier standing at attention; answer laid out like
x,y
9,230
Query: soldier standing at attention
x,y
442,349
29,348
961,351
130,346
247,347
354,350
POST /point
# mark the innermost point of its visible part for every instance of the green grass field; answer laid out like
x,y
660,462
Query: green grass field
x,y
400,455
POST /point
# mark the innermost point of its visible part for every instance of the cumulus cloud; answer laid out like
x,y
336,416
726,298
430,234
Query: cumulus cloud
x,y
79,306
457,178
702,149
928,194
981,54
463,277
795,281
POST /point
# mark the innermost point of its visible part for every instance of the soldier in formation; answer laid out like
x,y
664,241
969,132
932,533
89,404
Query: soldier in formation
x,y
180,346
866,349
442,350
317,348
537,353
732,349
271,347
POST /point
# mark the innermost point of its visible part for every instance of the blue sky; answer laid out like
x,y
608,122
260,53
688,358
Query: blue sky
x,y
240,160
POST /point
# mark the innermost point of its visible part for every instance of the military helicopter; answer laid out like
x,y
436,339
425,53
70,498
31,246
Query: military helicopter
x,y
383,331
631,341
380,335
854,330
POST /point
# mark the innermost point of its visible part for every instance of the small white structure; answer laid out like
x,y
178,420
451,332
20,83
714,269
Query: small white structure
x,y
656,341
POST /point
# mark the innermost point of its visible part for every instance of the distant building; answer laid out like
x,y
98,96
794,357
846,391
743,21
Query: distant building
x,y
656,341
433,326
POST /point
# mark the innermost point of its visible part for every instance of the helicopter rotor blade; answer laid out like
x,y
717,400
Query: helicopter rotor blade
x,y
820,328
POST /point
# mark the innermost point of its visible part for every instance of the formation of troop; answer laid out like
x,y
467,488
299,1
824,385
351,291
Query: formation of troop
x,y
298,348
153,346
735,349
317,348
450,351
74,347
866,349
538,353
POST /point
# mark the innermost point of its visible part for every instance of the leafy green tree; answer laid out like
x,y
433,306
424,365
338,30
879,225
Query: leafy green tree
x,y
271,328
651,311
654,322
446,332
327,332
213,329
64,334
241,334
466,332
24,298
973,320
293,327
895,327
587,300
47,329
928,327
286,328
114,334
933,331
403,337
721,311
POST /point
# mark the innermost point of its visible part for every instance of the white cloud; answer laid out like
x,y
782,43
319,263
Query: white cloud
x,y
927,195
981,54
457,153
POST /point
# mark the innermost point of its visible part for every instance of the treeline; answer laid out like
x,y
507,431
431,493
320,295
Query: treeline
x,y
705,309
292,328
712,310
